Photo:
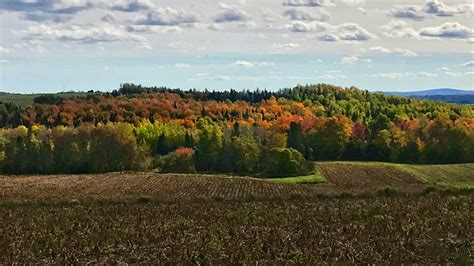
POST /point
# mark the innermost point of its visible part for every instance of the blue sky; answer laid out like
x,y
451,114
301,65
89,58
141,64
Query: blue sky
x,y
51,45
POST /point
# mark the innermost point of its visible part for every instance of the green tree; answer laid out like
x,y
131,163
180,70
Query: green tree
x,y
208,144
283,162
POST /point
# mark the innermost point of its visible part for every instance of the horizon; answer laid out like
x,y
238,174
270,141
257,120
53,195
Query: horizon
x,y
228,89
51,46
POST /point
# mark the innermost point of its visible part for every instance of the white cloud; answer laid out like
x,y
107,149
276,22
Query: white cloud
x,y
181,65
328,32
459,74
287,45
380,49
82,33
405,52
399,75
362,10
5,50
348,60
430,9
315,15
166,17
245,64
409,12
469,64
3,61
450,30
398,29
230,13
312,3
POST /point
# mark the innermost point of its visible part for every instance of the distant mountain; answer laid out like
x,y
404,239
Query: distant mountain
x,y
442,95
438,92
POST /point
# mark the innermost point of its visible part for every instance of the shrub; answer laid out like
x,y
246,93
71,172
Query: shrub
x,y
285,162
144,199
179,161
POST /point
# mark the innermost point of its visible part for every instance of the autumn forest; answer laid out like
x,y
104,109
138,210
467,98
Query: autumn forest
x,y
243,132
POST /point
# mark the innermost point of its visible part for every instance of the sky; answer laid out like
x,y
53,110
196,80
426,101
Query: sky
x,y
379,45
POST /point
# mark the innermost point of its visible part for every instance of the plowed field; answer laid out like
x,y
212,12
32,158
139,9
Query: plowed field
x,y
165,187
368,178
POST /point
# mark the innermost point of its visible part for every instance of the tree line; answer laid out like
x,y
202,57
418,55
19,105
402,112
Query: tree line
x,y
216,146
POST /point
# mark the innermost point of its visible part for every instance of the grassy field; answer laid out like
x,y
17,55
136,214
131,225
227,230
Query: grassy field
x,y
315,178
337,215
456,175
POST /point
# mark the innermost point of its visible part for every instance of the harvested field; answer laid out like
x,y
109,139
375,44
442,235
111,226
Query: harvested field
x,y
357,178
163,187
383,230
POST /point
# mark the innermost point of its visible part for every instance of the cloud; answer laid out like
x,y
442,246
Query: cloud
x,y
287,45
379,49
47,6
399,75
328,32
181,65
430,9
362,10
331,76
408,12
245,64
5,50
81,33
230,13
311,3
167,17
449,30
349,60
438,8
459,74
405,52
316,15
131,5
469,64
44,17
3,61
398,29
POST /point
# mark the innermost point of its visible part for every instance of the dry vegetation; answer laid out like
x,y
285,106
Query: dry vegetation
x,y
204,219
371,230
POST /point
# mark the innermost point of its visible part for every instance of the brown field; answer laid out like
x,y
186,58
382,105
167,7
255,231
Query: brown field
x,y
384,230
340,177
163,187
209,219
368,178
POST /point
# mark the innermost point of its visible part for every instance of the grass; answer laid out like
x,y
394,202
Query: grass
x,y
449,176
315,178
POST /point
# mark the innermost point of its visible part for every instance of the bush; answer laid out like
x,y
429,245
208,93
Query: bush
x,y
283,162
179,161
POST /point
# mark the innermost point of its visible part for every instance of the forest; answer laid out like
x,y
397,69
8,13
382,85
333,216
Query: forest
x,y
258,132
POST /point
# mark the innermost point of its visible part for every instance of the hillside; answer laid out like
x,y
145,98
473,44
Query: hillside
x,y
274,134
356,178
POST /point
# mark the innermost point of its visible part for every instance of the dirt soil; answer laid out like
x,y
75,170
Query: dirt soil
x,y
132,185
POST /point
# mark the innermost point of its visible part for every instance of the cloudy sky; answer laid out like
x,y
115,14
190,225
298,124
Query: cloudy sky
x,y
52,45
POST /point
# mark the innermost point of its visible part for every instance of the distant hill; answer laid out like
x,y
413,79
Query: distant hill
x,y
443,95
443,91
